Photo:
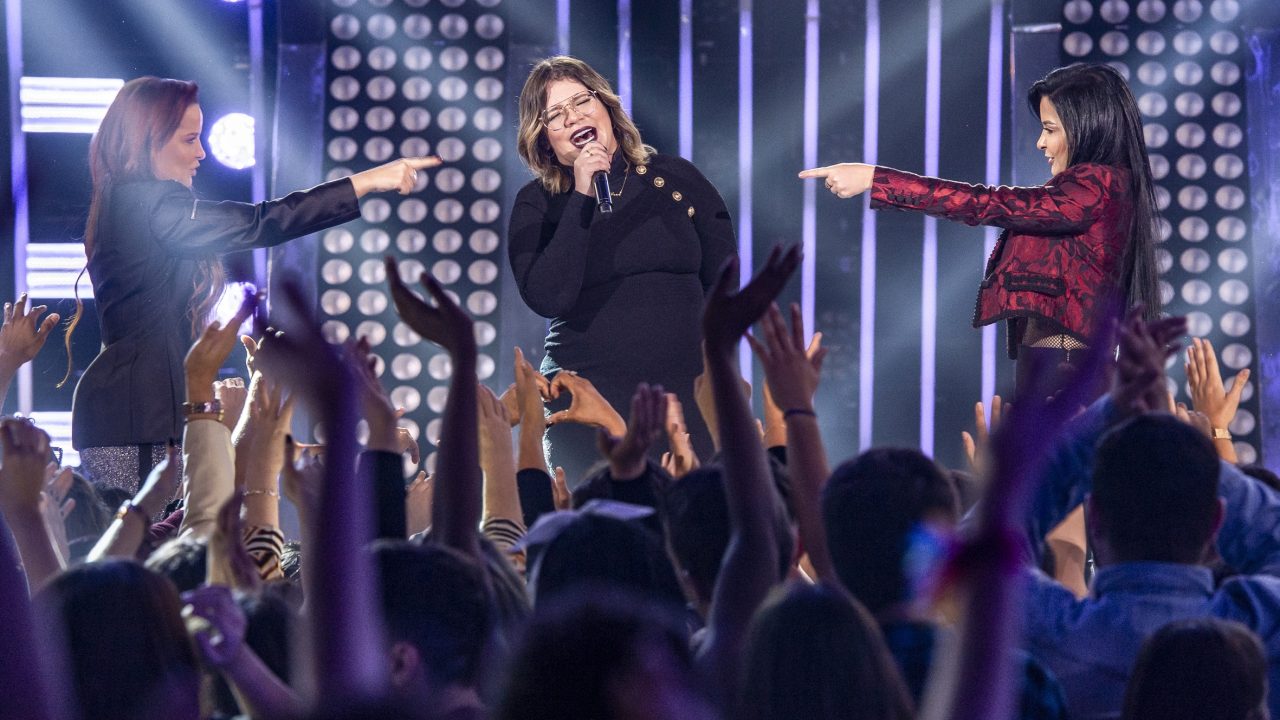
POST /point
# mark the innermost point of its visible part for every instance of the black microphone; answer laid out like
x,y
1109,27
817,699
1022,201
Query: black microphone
x,y
604,199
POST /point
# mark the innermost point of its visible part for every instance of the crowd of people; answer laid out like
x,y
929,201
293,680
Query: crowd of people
x,y
756,582
1102,555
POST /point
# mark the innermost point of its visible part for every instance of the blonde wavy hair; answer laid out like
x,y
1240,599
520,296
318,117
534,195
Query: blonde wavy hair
x,y
533,146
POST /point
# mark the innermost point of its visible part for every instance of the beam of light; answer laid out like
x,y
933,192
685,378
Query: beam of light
x,y
870,152
66,105
624,54
18,175
686,79
51,269
929,272
562,27
995,89
808,228
745,150
258,131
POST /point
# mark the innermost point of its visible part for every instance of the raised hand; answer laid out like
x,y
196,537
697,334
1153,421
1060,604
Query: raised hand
x,y
22,476
975,446
417,502
22,480
1205,381
302,477
728,314
375,405
495,432
560,494
586,405
791,368
1138,386
216,623
232,394
844,180
681,458
626,454
210,351
23,333
443,323
399,175
532,390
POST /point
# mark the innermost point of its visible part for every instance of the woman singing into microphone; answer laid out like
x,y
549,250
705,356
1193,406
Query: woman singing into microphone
x,y
623,290
1069,246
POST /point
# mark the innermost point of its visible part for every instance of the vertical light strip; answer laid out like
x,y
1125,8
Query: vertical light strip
x,y
18,176
870,154
929,272
562,27
258,111
995,93
745,151
809,222
686,80
624,54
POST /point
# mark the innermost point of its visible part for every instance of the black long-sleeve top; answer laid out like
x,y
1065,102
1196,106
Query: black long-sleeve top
x,y
624,291
146,254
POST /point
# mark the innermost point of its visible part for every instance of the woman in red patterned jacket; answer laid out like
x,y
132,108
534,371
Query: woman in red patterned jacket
x,y
1071,247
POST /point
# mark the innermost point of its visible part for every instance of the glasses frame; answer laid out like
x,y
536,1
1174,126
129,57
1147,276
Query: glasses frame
x,y
565,106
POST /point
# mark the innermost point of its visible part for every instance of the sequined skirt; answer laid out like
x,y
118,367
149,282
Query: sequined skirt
x,y
121,466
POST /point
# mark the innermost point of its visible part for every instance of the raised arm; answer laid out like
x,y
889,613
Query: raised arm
x,y
458,490
343,624
793,374
979,671
21,337
1209,396
187,226
547,246
750,564
20,656
381,464
503,518
209,462
1068,204
26,453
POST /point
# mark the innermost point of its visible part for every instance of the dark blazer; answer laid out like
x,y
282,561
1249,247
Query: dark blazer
x,y
149,243
1058,259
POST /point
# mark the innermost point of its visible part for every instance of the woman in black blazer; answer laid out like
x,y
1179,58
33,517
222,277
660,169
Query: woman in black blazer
x,y
153,258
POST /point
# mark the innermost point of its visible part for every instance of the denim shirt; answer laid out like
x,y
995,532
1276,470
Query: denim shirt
x,y
1091,644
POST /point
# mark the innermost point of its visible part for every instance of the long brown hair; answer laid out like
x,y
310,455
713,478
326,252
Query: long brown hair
x,y
145,114
532,142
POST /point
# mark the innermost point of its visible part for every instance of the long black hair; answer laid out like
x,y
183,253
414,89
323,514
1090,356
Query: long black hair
x,y
1103,125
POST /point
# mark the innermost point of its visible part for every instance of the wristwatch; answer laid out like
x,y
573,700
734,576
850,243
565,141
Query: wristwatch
x,y
1221,434
129,506
213,407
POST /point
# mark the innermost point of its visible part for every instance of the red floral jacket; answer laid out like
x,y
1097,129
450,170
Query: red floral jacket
x,y
1059,256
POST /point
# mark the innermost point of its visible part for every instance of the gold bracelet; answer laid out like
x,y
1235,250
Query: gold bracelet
x,y
1221,434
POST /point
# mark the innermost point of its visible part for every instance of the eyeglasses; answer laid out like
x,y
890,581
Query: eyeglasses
x,y
554,117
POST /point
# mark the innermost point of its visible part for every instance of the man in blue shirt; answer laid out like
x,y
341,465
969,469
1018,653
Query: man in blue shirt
x,y
1157,499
